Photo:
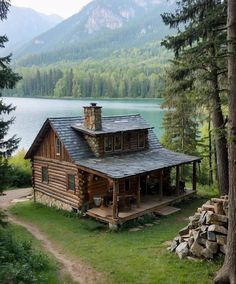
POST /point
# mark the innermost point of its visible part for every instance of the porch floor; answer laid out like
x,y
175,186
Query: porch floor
x,y
149,203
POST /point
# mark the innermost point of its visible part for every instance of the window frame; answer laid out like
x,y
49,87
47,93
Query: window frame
x,y
58,146
143,138
43,174
68,182
121,142
112,143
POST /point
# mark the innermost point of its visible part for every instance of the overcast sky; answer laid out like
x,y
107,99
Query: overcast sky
x,y
64,8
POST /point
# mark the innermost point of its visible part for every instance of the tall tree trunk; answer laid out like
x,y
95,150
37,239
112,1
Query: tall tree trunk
x,y
220,137
228,272
210,152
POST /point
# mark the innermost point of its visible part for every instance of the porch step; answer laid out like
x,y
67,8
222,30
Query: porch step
x,y
167,210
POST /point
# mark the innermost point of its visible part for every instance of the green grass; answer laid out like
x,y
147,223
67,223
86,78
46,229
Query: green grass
x,y
52,274
123,256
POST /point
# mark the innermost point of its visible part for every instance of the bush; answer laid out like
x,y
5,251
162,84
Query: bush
x,y
19,263
20,170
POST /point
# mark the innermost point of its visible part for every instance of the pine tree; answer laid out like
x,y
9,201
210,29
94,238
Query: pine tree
x,y
8,80
201,41
180,122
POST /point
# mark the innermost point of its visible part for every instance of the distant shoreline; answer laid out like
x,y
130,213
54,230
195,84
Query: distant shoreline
x,y
82,99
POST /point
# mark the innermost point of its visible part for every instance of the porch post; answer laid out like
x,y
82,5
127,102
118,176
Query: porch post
x,y
161,185
138,192
194,179
177,180
115,205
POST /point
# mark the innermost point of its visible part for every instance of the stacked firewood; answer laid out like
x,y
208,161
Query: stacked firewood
x,y
206,234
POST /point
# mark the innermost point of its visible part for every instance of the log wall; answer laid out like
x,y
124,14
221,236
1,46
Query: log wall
x,y
47,148
57,186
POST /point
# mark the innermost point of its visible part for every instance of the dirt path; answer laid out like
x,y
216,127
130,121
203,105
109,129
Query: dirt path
x,y
78,271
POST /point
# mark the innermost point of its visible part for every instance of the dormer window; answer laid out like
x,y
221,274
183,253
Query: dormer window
x,y
118,142
108,144
58,147
141,140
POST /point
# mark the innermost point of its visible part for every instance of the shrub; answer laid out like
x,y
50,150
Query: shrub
x,y
20,170
19,263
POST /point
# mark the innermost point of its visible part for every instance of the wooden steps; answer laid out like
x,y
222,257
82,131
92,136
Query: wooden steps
x,y
167,210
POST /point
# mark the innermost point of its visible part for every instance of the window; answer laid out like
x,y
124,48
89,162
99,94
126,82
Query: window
x,y
45,174
71,182
58,147
118,142
127,185
141,140
108,144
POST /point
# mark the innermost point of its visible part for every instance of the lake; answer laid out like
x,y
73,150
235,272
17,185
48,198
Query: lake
x,y
31,113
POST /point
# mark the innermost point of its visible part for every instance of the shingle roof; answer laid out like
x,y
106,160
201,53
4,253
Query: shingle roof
x,y
121,166
115,166
114,124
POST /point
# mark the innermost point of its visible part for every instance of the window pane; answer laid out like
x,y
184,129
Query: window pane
x,y
141,140
58,147
44,174
108,141
117,142
71,182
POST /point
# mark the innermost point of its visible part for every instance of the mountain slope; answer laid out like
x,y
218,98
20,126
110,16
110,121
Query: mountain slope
x,y
23,24
100,28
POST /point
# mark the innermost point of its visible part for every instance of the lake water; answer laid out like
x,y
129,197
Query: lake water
x,y
31,113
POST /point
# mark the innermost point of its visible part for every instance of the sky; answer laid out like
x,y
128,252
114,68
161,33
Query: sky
x,y
64,8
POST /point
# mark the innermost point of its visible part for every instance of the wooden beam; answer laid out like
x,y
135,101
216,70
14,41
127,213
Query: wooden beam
x,y
115,204
138,193
161,185
177,180
194,179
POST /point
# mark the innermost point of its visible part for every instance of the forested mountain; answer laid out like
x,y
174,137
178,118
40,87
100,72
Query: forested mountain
x,y
23,24
102,27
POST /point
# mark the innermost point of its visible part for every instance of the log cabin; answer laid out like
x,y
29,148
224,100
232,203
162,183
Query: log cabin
x,y
111,168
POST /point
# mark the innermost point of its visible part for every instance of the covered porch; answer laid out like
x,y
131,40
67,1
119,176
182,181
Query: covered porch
x,y
134,196
148,204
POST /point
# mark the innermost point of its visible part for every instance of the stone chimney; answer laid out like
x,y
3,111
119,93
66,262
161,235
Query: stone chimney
x,y
93,117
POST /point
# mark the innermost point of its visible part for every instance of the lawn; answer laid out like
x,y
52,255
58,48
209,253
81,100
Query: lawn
x,y
123,256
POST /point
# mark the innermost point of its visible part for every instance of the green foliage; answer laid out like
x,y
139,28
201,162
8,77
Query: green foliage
x,y
19,262
8,80
126,73
20,170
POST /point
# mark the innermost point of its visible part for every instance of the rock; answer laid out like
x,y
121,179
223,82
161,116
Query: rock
x,y
149,225
217,219
206,253
212,246
207,207
202,241
204,228
196,249
218,208
202,219
223,249
203,235
177,239
174,246
190,241
134,229
218,229
182,250
211,236
184,231
221,240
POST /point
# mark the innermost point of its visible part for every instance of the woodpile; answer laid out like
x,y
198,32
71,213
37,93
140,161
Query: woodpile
x,y
206,234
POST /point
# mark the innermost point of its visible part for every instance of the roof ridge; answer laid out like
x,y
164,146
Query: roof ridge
x,y
122,115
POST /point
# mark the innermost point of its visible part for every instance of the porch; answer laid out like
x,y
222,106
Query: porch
x,y
148,204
